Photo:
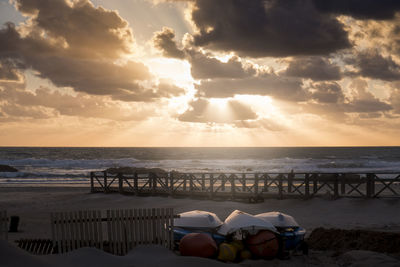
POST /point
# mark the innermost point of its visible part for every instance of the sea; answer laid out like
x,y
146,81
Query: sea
x,y
70,166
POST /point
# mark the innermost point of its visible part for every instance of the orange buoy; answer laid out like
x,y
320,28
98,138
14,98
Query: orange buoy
x,y
264,244
197,245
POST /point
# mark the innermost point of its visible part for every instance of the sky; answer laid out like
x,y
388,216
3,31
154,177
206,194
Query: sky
x,y
199,73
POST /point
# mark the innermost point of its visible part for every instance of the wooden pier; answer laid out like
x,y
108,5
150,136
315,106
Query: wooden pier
x,y
253,187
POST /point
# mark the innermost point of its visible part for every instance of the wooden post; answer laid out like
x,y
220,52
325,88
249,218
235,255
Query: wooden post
x,y
223,182
244,182
203,182
105,182
280,187
135,182
233,189
315,183
171,183
307,186
336,186
343,184
91,182
120,182
154,185
265,182
211,185
256,185
290,181
373,185
191,184
184,182
370,185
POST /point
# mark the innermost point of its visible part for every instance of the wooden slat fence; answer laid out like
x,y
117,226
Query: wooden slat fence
x,y
124,229
3,225
76,229
129,228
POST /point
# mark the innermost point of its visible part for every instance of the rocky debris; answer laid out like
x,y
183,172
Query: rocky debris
x,y
346,240
6,168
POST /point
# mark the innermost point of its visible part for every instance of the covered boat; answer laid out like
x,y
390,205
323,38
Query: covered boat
x,y
242,221
197,221
290,231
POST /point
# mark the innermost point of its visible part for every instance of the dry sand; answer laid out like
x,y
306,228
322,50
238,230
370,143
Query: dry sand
x,y
33,205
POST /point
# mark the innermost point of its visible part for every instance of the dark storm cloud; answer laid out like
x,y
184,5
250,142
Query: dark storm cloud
x,y
8,71
261,28
360,9
371,64
76,45
315,68
202,111
204,66
327,92
267,84
164,41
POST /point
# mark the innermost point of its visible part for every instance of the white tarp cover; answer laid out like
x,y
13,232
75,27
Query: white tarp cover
x,y
239,220
278,219
197,219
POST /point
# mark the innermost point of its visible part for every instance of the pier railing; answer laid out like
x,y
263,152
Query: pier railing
x,y
251,186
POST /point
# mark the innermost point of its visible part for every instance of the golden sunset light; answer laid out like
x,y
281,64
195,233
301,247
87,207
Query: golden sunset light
x,y
124,67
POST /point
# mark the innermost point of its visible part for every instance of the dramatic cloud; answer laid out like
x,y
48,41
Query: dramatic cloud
x,y
164,40
315,68
364,101
77,45
267,28
203,111
17,103
204,66
360,9
266,84
8,71
373,65
328,92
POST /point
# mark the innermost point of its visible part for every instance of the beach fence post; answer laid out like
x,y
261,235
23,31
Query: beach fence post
x,y
203,182
211,186
135,183
171,183
307,186
315,182
342,184
290,181
336,186
280,186
120,183
244,182
370,185
233,189
256,186
92,182
105,181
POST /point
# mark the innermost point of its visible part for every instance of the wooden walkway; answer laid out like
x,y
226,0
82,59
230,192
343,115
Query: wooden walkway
x,y
250,186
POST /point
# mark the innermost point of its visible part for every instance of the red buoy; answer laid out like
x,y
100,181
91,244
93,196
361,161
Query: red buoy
x,y
198,245
264,244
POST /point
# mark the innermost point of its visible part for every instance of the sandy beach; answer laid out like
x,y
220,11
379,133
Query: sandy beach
x,y
34,204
